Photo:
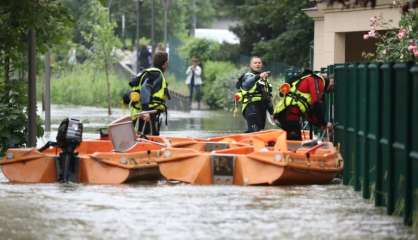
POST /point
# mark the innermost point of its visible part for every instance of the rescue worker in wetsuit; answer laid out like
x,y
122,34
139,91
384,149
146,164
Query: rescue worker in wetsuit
x,y
255,95
305,98
149,92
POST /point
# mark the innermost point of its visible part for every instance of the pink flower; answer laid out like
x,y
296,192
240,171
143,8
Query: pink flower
x,y
402,33
372,33
373,19
416,52
412,48
366,36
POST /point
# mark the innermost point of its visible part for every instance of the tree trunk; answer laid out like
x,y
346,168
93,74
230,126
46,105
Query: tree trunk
x,y
47,91
32,89
6,69
109,97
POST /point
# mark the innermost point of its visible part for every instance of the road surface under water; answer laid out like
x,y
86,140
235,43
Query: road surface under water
x,y
179,211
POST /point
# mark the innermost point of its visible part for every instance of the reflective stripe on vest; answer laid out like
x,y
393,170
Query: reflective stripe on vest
x,y
296,98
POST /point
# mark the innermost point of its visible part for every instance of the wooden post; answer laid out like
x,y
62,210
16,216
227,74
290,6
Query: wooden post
x,y
47,91
32,89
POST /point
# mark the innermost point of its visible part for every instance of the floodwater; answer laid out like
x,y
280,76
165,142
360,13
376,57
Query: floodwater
x,y
179,211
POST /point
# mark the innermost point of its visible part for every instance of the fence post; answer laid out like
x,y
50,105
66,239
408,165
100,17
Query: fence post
x,y
373,132
413,155
362,110
351,146
330,96
400,145
387,118
340,93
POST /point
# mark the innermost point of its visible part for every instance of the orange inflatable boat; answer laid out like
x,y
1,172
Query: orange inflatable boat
x,y
262,158
284,163
95,164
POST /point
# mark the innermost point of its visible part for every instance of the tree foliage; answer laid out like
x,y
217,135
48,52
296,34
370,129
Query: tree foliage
x,y
51,23
48,18
277,30
179,17
219,84
202,49
104,42
394,45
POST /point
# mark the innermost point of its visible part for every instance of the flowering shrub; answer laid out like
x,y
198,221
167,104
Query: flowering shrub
x,y
395,45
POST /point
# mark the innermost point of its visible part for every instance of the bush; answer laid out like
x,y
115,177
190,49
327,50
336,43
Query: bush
x,y
219,84
203,49
395,45
13,118
86,86
176,85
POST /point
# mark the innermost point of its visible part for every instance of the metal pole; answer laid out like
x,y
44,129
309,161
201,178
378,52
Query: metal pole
x,y
137,22
166,4
152,26
47,91
109,5
194,19
136,42
123,30
32,89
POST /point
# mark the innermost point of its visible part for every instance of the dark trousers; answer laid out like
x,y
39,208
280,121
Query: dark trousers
x,y
149,128
196,93
255,114
289,120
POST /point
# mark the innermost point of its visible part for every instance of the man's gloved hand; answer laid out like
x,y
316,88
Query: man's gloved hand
x,y
264,75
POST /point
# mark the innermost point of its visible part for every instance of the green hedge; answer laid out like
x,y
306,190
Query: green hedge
x,y
219,84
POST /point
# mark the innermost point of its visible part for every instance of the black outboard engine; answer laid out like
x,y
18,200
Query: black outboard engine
x,y
69,137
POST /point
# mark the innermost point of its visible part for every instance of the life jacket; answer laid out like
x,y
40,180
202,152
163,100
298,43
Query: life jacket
x,y
259,91
297,98
157,99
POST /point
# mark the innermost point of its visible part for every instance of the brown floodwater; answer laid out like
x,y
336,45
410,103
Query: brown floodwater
x,y
161,210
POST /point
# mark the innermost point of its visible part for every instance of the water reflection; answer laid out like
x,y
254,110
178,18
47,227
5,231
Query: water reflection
x,y
162,211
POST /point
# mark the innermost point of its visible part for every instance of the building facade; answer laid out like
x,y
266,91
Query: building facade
x,y
339,31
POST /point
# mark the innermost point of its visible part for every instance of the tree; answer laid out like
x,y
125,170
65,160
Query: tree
x,y
104,42
51,22
179,15
202,49
49,19
276,30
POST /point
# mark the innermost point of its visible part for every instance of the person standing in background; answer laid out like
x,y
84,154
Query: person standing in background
x,y
194,80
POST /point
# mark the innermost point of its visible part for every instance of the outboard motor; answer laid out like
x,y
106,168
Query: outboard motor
x,y
69,137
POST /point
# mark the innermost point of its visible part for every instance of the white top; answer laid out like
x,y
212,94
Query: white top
x,y
197,73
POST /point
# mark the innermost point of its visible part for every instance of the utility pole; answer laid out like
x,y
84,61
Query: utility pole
x,y
32,89
47,91
137,4
109,5
194,20
136,42
152,26
123,30
166,5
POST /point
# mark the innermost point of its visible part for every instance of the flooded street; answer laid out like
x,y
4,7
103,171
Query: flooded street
x,y
178,211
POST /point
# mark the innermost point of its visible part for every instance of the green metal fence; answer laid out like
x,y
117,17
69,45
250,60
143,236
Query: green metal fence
x,y
376,116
